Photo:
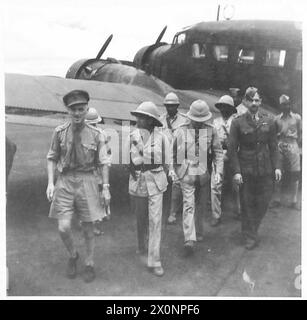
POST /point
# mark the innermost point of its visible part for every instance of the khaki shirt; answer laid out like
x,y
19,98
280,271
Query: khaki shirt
x,y
289,127
171,124
192,149
152,181
84,154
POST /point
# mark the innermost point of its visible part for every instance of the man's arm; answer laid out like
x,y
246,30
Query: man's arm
x,y
51,165
217,153
233,147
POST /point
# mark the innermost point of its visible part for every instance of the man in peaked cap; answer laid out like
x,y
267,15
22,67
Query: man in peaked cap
x,y
222,124
77,150
195,144
255,162
148,182
289,135
171,120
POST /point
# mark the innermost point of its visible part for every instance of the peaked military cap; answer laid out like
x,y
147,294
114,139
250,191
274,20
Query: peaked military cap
x,y
76,97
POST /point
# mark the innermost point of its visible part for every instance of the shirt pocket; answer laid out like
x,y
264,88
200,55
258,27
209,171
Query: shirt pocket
x,y
89,150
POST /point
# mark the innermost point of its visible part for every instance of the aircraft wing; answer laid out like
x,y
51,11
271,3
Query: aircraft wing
x,y
29,95
25,94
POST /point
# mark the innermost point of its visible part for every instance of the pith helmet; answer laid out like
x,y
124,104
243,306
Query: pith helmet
x,y
283,99
226,101
76,97
171,98
92,116
199,111
149,109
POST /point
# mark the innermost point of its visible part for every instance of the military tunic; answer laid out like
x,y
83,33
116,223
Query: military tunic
x,y
146,186
253,153
191,151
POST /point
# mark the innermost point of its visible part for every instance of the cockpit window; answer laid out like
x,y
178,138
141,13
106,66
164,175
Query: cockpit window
x,y
180,38
275,58
198,50
298,63
246,56
220,53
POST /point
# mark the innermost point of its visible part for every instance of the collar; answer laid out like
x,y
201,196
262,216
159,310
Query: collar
x,y
290,114
256,115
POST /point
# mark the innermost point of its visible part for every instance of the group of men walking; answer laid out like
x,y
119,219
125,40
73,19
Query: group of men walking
x,y
192,156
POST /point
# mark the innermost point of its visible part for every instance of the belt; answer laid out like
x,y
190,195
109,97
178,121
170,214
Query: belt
x,y
76,172
146,167
252,146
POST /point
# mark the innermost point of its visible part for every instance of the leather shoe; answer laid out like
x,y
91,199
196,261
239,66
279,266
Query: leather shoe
x,y
215,222
171,220
71,271
158,271
251,244
189,248
89,274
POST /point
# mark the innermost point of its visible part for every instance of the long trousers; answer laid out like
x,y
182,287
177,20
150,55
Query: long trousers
x,y
255,195
148,211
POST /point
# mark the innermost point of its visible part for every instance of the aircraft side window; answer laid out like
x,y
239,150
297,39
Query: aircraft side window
x,y
198,50
220,53
275,58
181,38
298,63
246,56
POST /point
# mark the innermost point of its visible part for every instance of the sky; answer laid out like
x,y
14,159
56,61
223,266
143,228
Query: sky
x,y
46,37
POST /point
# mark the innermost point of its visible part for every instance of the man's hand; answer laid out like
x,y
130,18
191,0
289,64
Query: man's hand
x,y
277,174
217,178
50,191
172,174
237,178
106,196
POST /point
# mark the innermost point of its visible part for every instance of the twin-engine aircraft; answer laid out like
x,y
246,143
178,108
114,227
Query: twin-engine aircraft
x,y
203,62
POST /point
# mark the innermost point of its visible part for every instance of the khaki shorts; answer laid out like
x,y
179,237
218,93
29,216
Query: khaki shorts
x,y
77,193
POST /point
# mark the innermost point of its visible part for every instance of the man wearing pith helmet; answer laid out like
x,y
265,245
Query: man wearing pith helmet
x,y
171,120
289,135
147,182
195,145
255,162
222,124
76,151
93,118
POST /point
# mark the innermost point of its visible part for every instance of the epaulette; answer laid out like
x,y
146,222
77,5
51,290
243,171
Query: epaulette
x,y
235,115
209,124
62,126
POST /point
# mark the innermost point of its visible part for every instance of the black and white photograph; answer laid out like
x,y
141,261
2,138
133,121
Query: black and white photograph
x,y
153,149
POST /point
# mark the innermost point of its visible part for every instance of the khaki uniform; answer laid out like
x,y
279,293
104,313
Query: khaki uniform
x,y
147,182
192,151
223,128
78,154
253,153
289,130
169,127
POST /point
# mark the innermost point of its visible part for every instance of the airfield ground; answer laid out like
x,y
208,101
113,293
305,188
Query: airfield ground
x,y
37,260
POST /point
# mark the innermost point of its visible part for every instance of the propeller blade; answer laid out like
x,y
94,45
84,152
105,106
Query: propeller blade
x,y
104,47
161,35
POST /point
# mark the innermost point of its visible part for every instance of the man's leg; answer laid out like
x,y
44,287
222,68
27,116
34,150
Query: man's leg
x,y
155,221
176,202
89,239
247,199
141,213
216,199
188,219
64,226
